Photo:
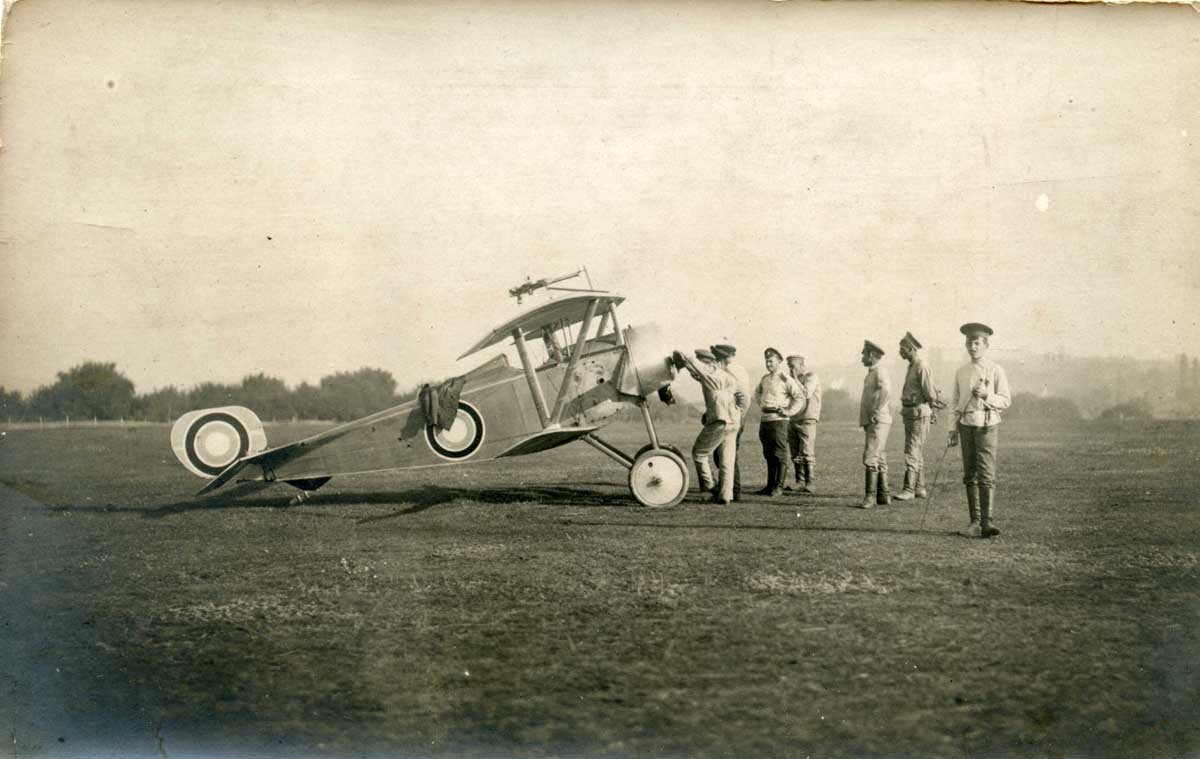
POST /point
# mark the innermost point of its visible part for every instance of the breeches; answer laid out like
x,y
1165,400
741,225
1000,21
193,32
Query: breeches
x,y
774,439
802,440
716,435
915,431
875,445
979,446
737,459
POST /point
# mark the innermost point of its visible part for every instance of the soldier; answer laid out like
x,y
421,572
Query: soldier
x,y
980,393
726,355
916,399
723,408
780,397
875,418
802,428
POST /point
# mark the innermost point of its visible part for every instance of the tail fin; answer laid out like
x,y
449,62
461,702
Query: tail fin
x,y
207,441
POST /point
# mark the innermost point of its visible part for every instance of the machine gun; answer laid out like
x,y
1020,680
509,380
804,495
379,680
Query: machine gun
x,y
528,287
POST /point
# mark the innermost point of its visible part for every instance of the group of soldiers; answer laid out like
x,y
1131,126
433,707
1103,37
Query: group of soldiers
x,y
790,403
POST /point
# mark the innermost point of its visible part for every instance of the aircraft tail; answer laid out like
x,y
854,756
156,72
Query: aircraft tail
x,y
209,440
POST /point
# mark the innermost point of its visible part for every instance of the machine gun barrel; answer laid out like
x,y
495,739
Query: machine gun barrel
x,y
575,273
529,286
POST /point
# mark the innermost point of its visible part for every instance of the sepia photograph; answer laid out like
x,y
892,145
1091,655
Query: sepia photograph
x,y
535,378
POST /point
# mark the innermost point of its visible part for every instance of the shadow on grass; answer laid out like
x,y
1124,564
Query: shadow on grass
x,y
421,499
871,529
414,500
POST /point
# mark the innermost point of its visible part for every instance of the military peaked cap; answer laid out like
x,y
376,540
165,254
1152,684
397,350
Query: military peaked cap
x,y
870,346
970,329
772,352
705,354
723,351
908,338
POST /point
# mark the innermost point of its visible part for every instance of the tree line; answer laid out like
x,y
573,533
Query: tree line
x,y
97,390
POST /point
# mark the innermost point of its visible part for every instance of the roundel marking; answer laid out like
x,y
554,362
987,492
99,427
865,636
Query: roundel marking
x,y
214,441
463,438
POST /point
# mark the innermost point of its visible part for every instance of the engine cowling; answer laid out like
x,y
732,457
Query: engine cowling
x,y
209,440
649,367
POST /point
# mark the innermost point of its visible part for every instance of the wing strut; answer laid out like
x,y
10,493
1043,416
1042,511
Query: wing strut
x,y
535,388
568,378
604,322
612,311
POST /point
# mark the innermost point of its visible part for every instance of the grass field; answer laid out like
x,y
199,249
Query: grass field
x,y
530,608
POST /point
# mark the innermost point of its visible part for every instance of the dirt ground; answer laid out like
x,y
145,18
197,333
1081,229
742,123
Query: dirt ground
x,y
531,608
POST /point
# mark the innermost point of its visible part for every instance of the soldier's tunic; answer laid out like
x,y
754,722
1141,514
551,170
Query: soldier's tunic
x,y
978,419
875,417
802,430
722,417
743,380
780,396
918,391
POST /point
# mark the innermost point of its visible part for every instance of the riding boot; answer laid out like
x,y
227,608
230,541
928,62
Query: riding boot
x,y
779,474
987,527
919,484
870,484
799,477
809,477
973,530
907,493
769,489
737,476
882,496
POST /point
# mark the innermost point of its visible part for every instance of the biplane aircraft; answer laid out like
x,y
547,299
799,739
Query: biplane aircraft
x,y
492,412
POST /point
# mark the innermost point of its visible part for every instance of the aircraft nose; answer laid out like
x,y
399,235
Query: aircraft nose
x,y
653,362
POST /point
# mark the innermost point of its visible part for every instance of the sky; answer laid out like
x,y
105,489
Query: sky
x,y
199,191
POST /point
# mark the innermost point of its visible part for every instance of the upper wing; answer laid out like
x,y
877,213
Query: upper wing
x,y
566,310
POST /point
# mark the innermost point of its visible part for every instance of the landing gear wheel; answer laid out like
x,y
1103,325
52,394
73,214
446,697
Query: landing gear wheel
x,y
658,478
671,448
